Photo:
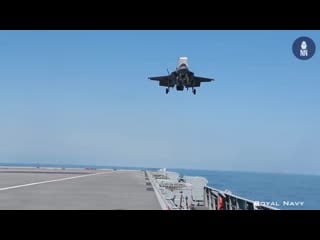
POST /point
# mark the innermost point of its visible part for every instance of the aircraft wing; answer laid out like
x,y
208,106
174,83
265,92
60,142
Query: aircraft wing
x,y
198,80
165,81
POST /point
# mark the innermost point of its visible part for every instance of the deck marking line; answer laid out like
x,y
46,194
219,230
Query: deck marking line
x,y
50,181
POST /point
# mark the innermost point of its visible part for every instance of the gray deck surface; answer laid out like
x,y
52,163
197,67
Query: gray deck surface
x,y
86,189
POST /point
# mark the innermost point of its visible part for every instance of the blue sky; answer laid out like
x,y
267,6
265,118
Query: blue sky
x,y
83,97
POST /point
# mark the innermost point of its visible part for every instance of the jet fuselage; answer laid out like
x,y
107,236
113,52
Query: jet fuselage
x,y
183,75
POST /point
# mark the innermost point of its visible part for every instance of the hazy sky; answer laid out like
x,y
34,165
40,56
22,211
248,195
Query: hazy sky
x,y
83,97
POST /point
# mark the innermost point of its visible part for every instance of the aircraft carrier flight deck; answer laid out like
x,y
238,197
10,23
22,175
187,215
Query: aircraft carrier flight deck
x,y
35,188
83,189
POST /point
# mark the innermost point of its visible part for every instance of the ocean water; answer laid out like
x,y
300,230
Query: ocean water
x,y
283,191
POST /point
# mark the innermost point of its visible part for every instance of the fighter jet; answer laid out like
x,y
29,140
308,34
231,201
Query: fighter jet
x,y
181,78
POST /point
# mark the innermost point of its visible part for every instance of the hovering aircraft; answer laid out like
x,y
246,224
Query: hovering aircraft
x,y
181,78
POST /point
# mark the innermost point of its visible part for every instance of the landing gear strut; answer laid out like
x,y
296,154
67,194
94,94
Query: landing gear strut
x,y
194,91
167,90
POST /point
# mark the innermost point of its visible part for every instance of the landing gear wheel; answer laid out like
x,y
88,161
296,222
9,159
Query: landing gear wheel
x,y
194,91
167,90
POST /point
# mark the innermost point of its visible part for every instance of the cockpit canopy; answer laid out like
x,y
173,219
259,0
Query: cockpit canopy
x,y
183,62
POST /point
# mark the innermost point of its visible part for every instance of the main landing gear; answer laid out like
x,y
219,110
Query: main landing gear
x,y
167,90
